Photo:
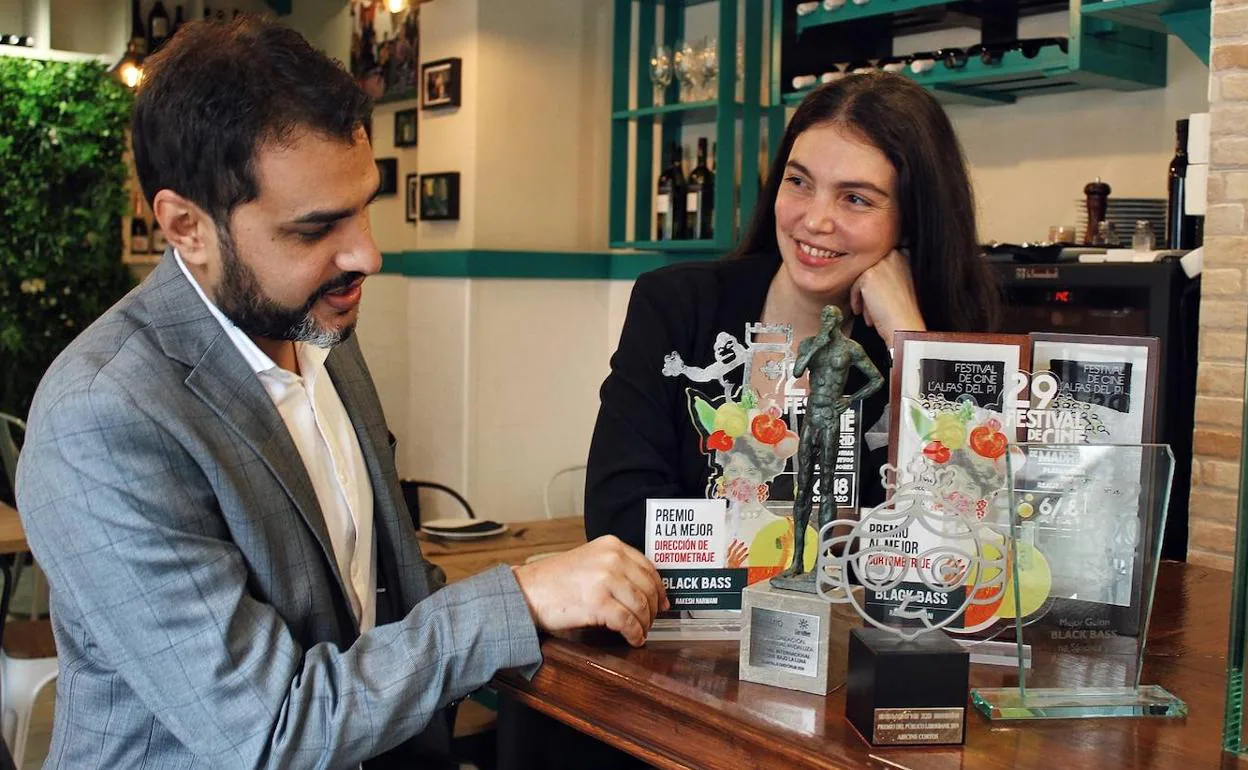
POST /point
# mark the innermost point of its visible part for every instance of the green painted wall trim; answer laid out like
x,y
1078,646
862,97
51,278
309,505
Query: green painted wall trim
x,y
563,265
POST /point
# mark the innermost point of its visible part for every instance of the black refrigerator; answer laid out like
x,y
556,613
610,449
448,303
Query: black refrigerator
x,y
1154,299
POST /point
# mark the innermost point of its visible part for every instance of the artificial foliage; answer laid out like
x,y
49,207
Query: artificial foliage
x,y
62,198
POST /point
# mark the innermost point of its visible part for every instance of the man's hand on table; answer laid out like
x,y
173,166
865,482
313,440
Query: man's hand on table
x,y
602,583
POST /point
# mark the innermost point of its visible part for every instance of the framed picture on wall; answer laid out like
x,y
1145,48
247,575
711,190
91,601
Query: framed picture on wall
x,y
388,169
439,196
405,128
413,197
440,83
385,49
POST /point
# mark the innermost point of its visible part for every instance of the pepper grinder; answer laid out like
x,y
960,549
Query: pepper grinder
x,y
1098,201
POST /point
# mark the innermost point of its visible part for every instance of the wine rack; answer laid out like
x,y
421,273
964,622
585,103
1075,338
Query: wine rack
x,y
1109,45
737,120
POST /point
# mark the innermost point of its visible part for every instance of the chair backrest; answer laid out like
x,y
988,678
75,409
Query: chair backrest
x,y
564,494
8,453
411,496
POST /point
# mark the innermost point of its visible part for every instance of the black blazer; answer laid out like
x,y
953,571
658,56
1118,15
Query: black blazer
x,y
644,445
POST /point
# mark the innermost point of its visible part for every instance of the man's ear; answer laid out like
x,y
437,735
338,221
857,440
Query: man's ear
x,y
187,227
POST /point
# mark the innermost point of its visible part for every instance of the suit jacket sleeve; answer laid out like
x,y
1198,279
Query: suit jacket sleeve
x,y
635,451
117,513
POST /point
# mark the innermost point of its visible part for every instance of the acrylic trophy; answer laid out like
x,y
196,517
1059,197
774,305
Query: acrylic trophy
x,y
923,562
1085,538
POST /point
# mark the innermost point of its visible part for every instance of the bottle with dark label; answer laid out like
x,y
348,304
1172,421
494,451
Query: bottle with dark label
x,y
138,34
139,243
1183,231
700,200
670,201
158,238
157,27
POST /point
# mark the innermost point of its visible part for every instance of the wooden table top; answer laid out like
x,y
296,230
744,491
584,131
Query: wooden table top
x,y
12,536
680,704
462,558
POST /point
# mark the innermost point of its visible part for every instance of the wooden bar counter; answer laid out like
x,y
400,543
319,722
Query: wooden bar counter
x,y
680,705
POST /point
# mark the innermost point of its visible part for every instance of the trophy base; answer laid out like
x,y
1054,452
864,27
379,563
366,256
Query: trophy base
x,y
803,583
794,640
907,692
1007,703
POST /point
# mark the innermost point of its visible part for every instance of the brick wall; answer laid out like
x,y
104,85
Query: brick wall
x,y
1224,301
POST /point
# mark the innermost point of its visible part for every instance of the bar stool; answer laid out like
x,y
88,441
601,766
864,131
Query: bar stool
x,y
27,664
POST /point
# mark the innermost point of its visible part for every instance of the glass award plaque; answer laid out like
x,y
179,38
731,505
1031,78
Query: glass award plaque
x,y
1085,526
1234,727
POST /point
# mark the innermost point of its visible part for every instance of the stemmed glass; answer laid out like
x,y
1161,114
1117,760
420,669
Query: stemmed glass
x,y
710,67
660,72
688,69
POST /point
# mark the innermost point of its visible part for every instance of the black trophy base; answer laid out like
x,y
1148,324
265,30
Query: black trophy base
x,y
907,693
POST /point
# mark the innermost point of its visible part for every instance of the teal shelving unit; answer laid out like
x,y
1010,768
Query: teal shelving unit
x,y
1104,51
1188,20
735,194
852,12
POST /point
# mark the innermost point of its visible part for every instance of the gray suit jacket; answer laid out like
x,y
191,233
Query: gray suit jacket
x,y
199,616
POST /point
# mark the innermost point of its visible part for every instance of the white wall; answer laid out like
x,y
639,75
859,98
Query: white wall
x,y
13,17
544,130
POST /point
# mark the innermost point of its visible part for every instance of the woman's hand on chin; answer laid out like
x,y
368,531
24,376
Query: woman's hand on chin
x,y
884,296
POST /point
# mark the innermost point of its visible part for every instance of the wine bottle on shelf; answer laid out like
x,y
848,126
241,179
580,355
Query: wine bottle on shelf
x,y
220,14
700,200
1183,231
178,21
157,27
670,201
139,242
138,34
158,238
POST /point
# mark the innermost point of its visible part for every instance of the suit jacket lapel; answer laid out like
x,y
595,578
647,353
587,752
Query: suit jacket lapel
x,y
392,520
221,377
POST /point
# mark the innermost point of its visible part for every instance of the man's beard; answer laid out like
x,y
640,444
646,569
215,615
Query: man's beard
x,y
240,298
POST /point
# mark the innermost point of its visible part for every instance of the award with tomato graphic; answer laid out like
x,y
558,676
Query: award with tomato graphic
x,y
748,434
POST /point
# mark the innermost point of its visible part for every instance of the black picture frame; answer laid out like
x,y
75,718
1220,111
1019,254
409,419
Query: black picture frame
x,y
440,83
388,171
439,197
412,204
405,128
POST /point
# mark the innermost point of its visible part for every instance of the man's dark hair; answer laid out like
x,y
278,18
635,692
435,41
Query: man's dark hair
x,y
957,290
217,91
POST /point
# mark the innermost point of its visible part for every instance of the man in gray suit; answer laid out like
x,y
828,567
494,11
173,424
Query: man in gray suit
x,y
207,478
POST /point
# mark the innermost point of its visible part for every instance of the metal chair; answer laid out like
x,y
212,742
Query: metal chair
x,y
411,496
572,501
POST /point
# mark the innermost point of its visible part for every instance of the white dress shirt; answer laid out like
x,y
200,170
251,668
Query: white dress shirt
x,y
326,440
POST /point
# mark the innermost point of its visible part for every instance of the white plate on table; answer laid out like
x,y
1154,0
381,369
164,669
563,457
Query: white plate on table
x,y
462,529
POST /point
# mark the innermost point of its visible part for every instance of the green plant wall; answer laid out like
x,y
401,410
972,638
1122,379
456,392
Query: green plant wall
x,y
62,198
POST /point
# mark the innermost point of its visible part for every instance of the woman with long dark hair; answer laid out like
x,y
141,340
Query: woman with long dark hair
x,y
867,206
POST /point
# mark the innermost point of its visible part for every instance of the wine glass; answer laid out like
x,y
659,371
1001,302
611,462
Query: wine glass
x,y
660,72
709,55
688,69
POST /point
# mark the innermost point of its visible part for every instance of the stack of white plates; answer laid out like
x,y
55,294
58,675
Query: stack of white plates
x,y
1123,213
